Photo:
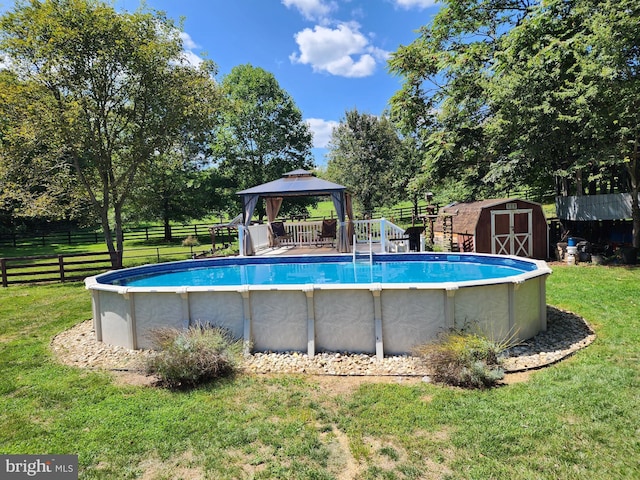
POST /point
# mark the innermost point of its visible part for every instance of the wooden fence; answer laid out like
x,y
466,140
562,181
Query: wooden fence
x,y
201,230
51,268
43,239
77,266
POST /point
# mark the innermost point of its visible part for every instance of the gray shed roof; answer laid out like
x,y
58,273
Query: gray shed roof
x,y
586,208
295,183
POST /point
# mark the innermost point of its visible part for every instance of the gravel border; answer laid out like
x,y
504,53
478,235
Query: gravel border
x,y
566,333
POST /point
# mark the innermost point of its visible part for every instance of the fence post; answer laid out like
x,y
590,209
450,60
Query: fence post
x,y
158,253
146,231
61,264
3,267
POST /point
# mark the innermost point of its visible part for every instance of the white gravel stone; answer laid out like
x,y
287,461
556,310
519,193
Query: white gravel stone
x,y
566,333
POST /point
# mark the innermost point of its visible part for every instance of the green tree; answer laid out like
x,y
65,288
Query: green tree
x,y
364,152
445,96
610,64
565,95
511,93
262,135
114,91
176,189
32,188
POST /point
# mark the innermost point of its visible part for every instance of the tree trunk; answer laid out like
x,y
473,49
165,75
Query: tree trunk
x,y
119,235
635,216
579,184
634,176
168,235
108,239
166,220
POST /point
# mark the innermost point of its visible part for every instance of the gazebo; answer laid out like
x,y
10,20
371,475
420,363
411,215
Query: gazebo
x,y
297,183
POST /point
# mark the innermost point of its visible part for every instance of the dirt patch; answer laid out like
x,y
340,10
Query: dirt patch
x,y
345,385
345,465
134,378
517,377
184,467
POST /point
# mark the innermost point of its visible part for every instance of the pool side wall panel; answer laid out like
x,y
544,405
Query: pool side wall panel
x,y
156,310
411,318
344,321
278,320
114,324
527,309
485,308
220,309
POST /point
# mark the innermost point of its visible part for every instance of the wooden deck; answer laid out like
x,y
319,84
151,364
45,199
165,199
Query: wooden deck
x,y
294,250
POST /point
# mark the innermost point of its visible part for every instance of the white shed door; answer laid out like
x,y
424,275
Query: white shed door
x,y
511,232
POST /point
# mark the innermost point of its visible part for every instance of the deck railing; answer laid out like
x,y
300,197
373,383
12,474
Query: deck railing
x,y
380,235
383,235
300,234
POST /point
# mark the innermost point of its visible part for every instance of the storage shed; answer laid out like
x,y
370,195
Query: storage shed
x,y
499,226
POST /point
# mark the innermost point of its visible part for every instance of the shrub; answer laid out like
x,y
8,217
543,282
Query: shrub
x,y
190,241
187,358
464,359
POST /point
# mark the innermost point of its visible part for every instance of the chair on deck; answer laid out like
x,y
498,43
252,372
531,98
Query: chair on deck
x,y
412,234
279,233
328,232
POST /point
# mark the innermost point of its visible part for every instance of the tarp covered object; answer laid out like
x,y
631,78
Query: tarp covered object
x,y
586,208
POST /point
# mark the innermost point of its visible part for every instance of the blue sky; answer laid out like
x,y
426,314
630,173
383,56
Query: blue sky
x,y
329,55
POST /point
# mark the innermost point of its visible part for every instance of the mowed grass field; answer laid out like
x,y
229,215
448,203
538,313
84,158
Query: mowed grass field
x,y
576,419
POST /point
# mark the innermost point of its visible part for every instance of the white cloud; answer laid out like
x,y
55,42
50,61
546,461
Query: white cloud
x,y
188,55
191,58
421,4
187,41
311,9
322,130
342,51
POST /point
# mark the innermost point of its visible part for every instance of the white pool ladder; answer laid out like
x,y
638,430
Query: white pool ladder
x,y
355,249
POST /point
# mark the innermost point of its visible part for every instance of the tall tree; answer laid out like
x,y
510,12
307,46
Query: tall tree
x,y
610,63
262,135
33,189
176,189
116,92
364,151
566,95
445,95
527,90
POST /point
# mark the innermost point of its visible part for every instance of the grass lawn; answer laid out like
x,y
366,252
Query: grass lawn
x,y
576,419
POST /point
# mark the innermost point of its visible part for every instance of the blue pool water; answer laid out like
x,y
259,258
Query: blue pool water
x,y
302,270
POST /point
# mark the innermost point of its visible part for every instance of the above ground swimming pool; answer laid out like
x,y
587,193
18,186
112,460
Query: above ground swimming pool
x,y
384,305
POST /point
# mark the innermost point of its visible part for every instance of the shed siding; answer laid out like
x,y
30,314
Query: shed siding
x,y
482,212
